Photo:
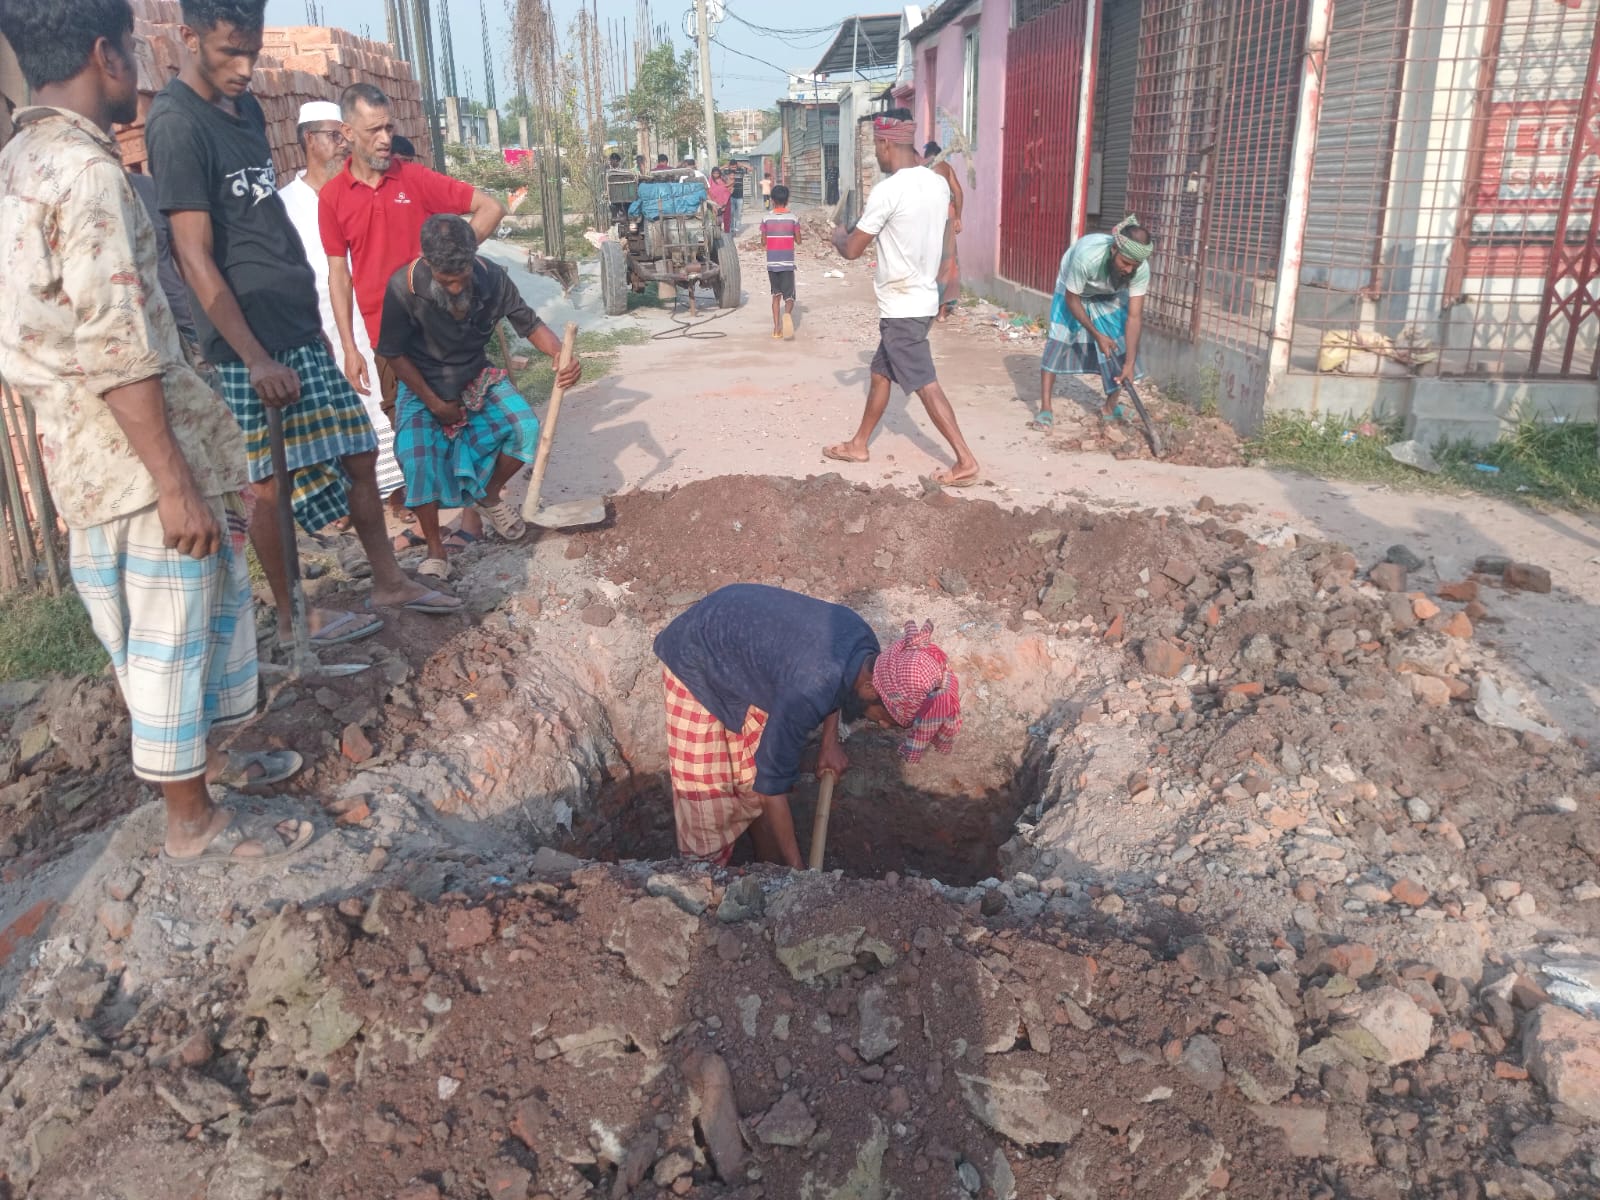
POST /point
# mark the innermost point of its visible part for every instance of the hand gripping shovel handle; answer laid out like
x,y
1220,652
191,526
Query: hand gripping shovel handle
x,y
819,823
547,432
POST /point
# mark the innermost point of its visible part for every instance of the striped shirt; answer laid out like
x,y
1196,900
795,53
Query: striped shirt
x,y
780,229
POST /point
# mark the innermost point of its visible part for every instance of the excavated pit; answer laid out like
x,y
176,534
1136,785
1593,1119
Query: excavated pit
x,y
875,828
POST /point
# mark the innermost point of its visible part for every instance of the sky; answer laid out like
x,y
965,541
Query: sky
x,y
737,79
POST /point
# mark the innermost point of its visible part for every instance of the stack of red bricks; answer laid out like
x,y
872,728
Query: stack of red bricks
x,y
298,63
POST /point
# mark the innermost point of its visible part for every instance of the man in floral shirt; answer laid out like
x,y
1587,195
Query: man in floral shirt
x,y
145,463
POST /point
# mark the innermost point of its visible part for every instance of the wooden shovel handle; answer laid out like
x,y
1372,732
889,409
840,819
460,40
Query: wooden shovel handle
x,y
547,431
819,823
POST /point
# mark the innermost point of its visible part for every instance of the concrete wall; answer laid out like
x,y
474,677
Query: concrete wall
x,y
940,57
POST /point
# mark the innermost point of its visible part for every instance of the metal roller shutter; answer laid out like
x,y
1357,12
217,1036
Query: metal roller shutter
x,y
1119,63
1350,171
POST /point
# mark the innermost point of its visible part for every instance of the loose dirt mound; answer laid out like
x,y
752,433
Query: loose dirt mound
x,y
833,539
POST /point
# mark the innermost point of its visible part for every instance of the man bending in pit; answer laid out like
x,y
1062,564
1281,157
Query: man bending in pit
x,y
750,672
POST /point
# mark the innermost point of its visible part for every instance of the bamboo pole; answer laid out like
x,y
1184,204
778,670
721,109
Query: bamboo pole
x,y
18,510
43,507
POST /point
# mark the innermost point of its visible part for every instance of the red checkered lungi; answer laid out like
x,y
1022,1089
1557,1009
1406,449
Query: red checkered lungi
x,y
713,774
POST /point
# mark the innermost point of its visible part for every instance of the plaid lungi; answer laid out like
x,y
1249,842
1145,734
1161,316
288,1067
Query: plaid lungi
x,y
326,424
713,774
180,631
454,470
1071,350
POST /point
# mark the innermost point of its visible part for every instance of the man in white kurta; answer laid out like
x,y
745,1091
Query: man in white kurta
x,y
322,137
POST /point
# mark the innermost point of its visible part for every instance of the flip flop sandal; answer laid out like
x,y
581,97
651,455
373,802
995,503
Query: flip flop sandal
x,y
956,483
276,766
459,539
829,453
346,627
505,521
429,604
1042,420
250,823
1118,413
408,539
353,562
788,327
434,568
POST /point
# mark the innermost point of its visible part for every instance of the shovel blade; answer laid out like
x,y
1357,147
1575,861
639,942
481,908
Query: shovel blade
x,y
570,514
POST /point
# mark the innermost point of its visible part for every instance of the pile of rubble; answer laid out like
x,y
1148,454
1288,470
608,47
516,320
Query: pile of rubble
x,y
618,1032
1301,901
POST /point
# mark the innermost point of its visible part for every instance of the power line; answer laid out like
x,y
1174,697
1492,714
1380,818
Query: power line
x,y
786,34
786,71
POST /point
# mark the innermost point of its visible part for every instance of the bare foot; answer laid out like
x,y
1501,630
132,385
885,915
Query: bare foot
x,y
846,452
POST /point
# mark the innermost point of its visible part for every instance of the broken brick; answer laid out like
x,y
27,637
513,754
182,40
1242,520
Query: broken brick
x,y
355,744
1528,577
1388,577
1410,892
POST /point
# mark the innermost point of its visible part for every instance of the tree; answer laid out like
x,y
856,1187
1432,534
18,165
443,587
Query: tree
x,y
661,98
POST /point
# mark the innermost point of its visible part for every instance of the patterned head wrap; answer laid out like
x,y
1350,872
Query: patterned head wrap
x,y
892,129
921,692
1133,251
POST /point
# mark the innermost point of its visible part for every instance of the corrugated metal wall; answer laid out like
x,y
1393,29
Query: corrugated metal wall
x,y
804,126
1044,65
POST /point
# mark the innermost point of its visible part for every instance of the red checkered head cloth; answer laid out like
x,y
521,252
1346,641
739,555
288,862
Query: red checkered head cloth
x,y
892,129
921,692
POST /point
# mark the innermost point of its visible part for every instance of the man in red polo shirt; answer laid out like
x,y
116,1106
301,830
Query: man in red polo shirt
x,y
373,210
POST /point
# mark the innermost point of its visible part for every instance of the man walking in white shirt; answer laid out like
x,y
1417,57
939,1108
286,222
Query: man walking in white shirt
x,y
906,213
322,137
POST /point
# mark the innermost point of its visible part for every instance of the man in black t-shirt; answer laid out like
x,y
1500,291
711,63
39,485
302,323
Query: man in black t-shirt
x,y
461,429
256,309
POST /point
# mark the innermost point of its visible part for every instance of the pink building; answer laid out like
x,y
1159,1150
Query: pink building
x,y
960,93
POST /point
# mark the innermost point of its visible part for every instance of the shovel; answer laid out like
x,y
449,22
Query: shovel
x,y
819,823
570,514
303,661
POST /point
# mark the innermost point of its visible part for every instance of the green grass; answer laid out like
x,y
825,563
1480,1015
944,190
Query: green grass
x,y
1540,463
46,635
598,350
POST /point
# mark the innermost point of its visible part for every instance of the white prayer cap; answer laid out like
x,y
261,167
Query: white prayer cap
x,y
319,110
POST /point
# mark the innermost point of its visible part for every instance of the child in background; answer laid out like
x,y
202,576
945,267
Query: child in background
x,y
780,234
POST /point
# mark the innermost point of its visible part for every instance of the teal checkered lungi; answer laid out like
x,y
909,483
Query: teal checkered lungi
x,y
454,471
326,424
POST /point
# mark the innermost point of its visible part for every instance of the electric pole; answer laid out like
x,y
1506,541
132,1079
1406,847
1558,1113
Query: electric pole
x,y
703,30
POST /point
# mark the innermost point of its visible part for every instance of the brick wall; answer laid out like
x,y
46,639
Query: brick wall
x,y
298,63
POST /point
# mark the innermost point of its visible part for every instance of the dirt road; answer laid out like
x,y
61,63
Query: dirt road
x,y
679,410
1237,884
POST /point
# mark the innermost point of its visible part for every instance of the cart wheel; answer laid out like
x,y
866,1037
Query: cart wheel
x,y
727,286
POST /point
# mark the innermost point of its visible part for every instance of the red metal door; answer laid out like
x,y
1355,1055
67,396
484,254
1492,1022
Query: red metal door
x,y
1044,65
1570,309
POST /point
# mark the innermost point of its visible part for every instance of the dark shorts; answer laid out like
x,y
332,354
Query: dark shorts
x,y
782,283
904,356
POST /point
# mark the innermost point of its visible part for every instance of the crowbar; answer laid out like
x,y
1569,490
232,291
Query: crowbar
x,y
303,661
